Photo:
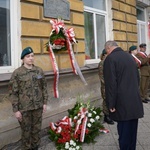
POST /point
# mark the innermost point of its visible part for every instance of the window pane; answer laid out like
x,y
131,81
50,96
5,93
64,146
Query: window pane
x,y
101,37
141,32
140,14
139,37
98,4
5,58
89,35
143,35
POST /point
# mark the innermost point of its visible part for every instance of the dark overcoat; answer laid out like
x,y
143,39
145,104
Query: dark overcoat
x,y
122,86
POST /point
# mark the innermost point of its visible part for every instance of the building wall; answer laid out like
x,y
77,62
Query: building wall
x,y
36,29
124,22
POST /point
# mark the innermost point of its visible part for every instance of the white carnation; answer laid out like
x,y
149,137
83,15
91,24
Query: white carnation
x,y
92,120
77,147
94,112
89,125
75,117
97,117
79,122
89,114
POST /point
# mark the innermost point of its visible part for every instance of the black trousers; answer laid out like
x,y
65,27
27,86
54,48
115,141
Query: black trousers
x,y
127,131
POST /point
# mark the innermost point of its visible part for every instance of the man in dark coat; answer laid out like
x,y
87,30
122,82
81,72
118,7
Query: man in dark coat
x,y
122,93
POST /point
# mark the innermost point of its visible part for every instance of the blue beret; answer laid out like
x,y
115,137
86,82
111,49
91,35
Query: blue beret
x,y
104,52
26,51
132,48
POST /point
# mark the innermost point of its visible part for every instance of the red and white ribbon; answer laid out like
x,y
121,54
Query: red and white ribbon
x,y
57,24
104,130
137,60
65,121
56,71
83,129
52,126
71,34
71,55
143,54
74,63
83,120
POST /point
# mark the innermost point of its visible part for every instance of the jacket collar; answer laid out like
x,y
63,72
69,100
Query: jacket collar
x,y
117,49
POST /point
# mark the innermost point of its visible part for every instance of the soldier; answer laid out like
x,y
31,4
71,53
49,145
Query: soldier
x,y
28,94
145,72
133,51
100,69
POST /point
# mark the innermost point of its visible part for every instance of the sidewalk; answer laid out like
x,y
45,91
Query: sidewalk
x,y
108,141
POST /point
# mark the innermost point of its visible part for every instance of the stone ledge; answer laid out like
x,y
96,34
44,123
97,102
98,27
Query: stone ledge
x,y
4,78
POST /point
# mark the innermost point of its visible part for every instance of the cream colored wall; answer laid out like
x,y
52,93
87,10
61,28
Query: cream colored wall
x,y
124,22
35,30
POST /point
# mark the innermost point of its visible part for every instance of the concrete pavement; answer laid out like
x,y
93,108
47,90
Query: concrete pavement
x,y
108,141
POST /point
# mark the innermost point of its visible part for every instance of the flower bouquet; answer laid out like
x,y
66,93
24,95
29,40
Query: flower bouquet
x,y
81,125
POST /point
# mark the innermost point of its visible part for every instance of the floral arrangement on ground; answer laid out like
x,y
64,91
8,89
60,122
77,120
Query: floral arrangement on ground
x,y
82,125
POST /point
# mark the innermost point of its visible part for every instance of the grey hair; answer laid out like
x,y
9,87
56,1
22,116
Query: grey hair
x,y
110,43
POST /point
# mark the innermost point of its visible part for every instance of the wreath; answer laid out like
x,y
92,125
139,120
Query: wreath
x,y
59,35
61,39
82,125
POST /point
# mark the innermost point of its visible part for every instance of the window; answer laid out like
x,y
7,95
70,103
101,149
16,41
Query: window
x,y
95,29
5,59
8,30
98,4
141,25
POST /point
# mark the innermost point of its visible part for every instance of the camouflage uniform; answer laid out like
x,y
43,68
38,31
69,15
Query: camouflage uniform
x,y
28,94
100,69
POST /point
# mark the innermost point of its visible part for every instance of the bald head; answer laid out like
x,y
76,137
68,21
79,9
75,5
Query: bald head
x,y
110,46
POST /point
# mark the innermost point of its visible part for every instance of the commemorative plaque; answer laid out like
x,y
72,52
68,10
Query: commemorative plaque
x,y
57,9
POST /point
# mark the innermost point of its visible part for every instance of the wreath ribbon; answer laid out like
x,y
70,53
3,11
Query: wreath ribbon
x,y
56,71
83,119
57,25
74,64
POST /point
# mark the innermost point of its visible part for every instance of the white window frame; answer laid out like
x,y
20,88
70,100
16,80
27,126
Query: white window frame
x,y
15,30
145,23
140,23
100,12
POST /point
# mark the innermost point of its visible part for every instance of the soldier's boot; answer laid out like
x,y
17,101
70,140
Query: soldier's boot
x,y
108,120
36,148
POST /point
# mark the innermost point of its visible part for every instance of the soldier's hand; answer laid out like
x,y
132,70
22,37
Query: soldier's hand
x,y
44,108
148,56
18,115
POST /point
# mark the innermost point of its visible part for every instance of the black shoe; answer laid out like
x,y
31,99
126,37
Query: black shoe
x,y
144,101
108,120
36,148
148,100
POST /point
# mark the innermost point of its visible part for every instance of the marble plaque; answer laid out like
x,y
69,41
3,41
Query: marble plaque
x,y
57,9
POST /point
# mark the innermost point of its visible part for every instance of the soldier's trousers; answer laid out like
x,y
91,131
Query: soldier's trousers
x,y
105,108
31,127
144,83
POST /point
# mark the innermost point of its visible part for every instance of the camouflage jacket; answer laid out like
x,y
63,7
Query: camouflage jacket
x,y
28,89
101,76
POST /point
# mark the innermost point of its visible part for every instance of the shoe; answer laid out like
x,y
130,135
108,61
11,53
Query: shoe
x,y
144,101
36,148
108,120
148,100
